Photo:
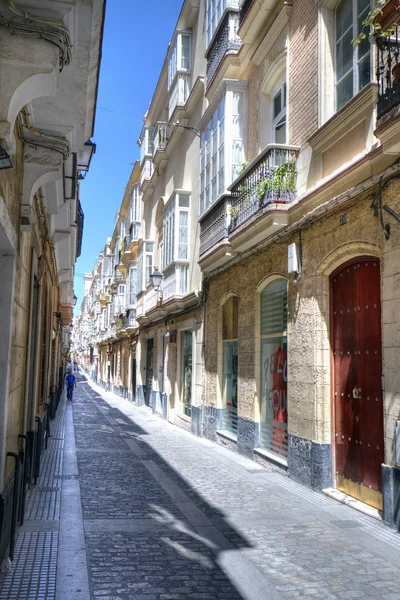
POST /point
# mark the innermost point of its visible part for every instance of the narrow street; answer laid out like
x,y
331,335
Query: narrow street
x,y
128,507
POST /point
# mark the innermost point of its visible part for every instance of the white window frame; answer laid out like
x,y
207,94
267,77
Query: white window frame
x,y
146,143
171,235
217,127
355,50
145,256
175,57
135,204
132,278
121,297
282,89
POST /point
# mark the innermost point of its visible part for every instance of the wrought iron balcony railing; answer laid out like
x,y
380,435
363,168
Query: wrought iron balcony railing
x,y
161,136
388,73
213,228
226,41
269,179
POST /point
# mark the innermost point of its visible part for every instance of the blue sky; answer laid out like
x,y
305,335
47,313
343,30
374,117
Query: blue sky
x,y
136,36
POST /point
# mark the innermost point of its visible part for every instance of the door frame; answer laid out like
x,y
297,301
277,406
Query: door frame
x,y
332,274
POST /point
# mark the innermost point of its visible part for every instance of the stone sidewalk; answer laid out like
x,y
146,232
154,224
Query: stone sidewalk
x,y
132,508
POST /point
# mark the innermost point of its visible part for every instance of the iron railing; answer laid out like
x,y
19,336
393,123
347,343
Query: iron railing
x,y
225,41
161,136
271,178
213,228
388,73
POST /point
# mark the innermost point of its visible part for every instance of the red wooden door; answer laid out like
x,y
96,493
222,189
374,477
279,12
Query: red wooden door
x,y
357,364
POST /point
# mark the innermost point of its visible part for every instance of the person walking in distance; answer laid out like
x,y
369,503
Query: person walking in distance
x,y
71,384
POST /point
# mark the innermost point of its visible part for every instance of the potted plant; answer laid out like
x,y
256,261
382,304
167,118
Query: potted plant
x,y
380,21
279,183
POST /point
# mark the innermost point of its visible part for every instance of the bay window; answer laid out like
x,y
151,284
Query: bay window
x,y
179,56
214,12
144,265
121,298
135,204
146,143
116,251
132,286
222,144
176,245
353,63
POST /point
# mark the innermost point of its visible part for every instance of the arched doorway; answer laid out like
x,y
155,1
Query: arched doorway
x,y
357,384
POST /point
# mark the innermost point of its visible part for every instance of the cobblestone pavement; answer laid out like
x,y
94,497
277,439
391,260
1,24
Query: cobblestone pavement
x,y
168,516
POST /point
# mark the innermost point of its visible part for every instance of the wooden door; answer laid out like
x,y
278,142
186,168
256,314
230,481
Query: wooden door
x,y
357,371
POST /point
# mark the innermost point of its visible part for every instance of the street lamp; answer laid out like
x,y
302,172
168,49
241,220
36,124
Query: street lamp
x,y
75,300
156,278
5,159
85,156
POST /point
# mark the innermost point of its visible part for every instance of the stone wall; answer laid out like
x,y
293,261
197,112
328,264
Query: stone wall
x,y
325,246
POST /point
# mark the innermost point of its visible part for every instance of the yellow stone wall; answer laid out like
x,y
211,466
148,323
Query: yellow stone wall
x,y
326,245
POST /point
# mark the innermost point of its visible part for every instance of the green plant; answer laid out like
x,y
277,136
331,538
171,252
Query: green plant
x,y
242,166
233,211
282,179
375,27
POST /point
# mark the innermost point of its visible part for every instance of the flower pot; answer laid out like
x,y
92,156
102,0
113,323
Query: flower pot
x,y
389,16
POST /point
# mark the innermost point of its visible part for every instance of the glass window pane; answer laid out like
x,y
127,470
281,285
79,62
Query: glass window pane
x,y
273,394
364,72
344,17
185,52
183,234
344,90
363,5
280,131
184,200
344,55
277,104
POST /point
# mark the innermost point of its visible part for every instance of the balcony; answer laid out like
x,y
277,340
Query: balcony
x,y
388,74
269,179
161,137
179,92
388,103
213,228
225,42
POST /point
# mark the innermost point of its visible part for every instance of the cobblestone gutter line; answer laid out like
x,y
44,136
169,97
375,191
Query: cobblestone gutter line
x,y
33,571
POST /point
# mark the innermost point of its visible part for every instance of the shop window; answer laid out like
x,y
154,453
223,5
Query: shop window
x,y
230,312
187,371
273,368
